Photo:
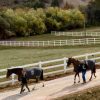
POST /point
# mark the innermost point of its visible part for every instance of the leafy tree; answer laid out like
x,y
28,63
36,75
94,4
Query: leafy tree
x,y
54,3
3,27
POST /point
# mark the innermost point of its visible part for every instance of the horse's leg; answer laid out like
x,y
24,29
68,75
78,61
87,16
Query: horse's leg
x,y
35,83
79,78
95,75
75,78
43,84
95,72
91,75
34,86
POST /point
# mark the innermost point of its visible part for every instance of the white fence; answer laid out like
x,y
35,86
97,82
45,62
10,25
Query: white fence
x,y
64,64
75,33
52,43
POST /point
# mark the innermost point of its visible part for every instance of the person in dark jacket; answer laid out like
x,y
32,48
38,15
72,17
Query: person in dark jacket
x,y
84,68
24,82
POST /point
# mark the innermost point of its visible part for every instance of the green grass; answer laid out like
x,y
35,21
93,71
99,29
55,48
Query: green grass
x,y
17,56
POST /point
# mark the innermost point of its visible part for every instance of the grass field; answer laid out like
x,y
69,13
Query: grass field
x,y
17,56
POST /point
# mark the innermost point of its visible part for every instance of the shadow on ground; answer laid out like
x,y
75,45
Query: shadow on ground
x,y
70,88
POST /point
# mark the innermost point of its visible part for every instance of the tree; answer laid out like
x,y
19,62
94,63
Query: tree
x,y
54,3
3,27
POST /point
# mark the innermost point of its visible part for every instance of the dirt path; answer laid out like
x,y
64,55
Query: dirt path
x,y
53,89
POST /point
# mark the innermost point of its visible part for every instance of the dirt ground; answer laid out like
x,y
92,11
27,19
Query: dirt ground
x,y
31,82
89,94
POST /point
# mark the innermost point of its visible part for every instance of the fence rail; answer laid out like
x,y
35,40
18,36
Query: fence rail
x,y
52,43
75,33
64,64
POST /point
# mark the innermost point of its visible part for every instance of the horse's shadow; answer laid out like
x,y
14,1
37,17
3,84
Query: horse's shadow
x,y
71,88
16,96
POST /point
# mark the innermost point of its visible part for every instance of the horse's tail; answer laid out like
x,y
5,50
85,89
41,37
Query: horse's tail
x,y
94,69
41,77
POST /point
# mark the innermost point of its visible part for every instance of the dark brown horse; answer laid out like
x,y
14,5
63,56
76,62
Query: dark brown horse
x,y
32,73
78,67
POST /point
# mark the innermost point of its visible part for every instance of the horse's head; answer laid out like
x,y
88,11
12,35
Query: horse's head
x,y
69,61
9,72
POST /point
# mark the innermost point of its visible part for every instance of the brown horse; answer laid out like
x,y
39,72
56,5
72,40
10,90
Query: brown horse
x,y
32,73
78,67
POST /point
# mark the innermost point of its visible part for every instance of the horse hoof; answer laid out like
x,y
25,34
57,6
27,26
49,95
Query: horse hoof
x,y
78,81
89,79
33,89
74,82
95,76
43,86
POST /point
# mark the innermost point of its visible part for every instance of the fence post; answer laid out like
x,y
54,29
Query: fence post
x,y
14,43
23,43
87,40
10,43
40,65
12,79
94,40
19,43
64,65
55,32
73,41
28,43
54,42
60,42
43,43
96,33
38,43
6,42
86,57
66,42
33,43
79,41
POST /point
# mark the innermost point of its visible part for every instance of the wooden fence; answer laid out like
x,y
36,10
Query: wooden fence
x,y
75,33
52,43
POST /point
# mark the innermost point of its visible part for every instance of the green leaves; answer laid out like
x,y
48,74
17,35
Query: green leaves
x,y
30,22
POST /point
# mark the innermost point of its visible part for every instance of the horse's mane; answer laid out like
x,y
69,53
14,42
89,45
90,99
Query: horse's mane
x,y
15,68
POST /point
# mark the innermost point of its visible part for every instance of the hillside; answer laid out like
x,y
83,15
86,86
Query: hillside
x,y
75,3
10,3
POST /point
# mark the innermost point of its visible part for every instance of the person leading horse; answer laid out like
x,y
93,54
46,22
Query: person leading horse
x,y
78,67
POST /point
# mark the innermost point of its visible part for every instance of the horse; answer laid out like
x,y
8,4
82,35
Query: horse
x,y
78,67
32,73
